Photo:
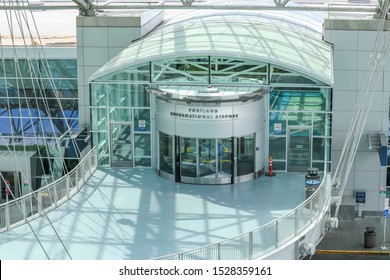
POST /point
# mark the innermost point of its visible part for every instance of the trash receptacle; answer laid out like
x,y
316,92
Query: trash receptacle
x,y
309,191
370,237
312,181
312,174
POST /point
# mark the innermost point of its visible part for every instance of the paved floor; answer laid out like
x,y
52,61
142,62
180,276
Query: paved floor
x,y
348,241
134,214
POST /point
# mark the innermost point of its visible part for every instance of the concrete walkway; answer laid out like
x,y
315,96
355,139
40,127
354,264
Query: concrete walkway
x,y
134,214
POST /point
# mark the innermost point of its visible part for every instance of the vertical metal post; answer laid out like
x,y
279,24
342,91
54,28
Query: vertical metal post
x,y
23,202
82,173
40,203
67,188
89,165
77,178
384,234
6,210
296,222
251,245
55,195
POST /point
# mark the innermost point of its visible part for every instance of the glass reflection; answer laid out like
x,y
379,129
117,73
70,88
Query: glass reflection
x,y
225,156
207,162
245,155
209,158
188,157
166,153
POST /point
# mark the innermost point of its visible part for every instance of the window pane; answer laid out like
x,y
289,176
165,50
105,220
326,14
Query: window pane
x,y
141,119
277,123
230,70
166,153
299,119
142,145
277,147
183,70
245,155
322,124
188,157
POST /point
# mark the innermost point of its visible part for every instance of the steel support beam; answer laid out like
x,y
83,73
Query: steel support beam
x,y
112,6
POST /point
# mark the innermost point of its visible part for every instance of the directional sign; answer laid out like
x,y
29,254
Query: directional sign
x,y
386,213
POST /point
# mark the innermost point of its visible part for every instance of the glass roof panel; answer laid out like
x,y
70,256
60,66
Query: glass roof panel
x,y
253,37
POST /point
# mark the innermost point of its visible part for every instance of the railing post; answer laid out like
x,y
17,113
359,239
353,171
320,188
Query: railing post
x,y
89,165
40,203
296,222
218,251
276,233
55,195
251,245
311,210
7,219
83,173
67,186
76,179
23,202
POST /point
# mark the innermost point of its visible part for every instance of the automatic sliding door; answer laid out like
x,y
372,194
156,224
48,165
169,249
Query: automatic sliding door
x,y
207,158
188,157
207,161
225,156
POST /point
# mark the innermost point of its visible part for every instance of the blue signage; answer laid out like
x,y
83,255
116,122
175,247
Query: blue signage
x,y
360,197
386,213
313,182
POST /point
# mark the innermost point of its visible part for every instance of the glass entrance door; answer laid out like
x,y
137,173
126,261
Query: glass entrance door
x,y
207,161
225,158
121,140
299,149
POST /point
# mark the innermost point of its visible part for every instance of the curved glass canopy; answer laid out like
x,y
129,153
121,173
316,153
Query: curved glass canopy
x,y
267,38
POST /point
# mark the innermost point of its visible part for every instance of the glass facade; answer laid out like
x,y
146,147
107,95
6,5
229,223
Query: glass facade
x,y
300,128
122,98
295,102
39,110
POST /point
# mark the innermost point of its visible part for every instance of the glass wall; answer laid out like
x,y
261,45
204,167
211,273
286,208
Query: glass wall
x,y
304,112
38,105
295,101
125,101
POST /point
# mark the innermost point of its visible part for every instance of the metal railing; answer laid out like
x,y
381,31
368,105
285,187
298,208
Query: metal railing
x,y
47,198
271,236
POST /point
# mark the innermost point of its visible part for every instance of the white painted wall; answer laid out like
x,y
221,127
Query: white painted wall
x,y
353,43
100,38
250,118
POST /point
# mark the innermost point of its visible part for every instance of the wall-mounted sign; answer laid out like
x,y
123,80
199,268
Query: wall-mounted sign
x,y
360,197
204,113
141,124
277,127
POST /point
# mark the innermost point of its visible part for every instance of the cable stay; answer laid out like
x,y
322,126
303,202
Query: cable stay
x,y
32,114
365,97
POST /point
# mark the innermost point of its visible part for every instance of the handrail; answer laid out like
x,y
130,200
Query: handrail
x,y
34,204
271,236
